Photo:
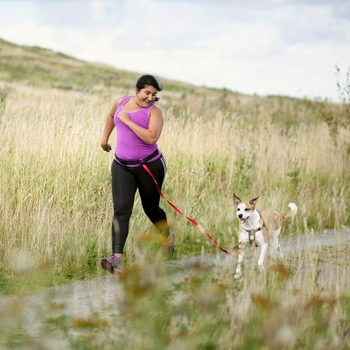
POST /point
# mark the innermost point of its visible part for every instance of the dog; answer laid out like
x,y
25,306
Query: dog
x,y
261,228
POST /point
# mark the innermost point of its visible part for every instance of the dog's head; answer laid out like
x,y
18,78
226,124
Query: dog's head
x,y
244,209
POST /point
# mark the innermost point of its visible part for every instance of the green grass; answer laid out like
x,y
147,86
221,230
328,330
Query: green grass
x,y
55,179
56,210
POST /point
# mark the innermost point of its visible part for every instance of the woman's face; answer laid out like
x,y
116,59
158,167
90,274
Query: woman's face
x,y
146,95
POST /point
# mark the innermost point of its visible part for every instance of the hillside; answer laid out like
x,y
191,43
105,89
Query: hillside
x,y
44,67
40,67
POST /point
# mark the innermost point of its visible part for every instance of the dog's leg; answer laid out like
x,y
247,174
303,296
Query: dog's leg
x,y
261,259
280,252
241,251
277,245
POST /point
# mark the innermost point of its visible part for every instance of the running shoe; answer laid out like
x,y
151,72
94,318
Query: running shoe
x,y
113,264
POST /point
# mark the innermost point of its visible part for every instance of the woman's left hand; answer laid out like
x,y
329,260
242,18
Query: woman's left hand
x,y
124,117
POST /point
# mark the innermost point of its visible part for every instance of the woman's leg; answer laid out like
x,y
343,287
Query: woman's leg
x,y
149,195
123,192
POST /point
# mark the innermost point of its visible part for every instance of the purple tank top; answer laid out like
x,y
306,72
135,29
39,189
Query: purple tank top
x,y
128,145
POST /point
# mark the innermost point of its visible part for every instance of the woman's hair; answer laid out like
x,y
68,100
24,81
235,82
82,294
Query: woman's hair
x,y
148,80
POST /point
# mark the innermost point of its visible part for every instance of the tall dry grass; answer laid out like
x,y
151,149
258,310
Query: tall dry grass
x,y
55,207
55,199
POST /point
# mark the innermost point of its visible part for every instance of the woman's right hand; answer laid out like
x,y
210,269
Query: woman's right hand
x,y
106,146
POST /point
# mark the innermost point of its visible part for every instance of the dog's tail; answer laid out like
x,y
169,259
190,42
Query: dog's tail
x,y
291,212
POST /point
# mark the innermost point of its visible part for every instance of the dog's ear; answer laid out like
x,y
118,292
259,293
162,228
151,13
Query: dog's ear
x,y
254,200
236,200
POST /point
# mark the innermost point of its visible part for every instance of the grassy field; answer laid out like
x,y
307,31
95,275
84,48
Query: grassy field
x,y
304,304
55,202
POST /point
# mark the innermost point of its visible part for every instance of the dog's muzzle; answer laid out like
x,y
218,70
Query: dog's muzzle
x,y
240,217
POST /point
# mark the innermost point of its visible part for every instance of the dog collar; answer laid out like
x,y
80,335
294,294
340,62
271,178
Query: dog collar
x,y
251,234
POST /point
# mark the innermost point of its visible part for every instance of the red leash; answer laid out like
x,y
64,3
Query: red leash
x,y
193,222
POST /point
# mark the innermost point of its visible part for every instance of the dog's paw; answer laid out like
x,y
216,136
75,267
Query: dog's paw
x,y
237,276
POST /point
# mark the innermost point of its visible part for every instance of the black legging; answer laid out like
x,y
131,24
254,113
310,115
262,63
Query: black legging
x,y
125,182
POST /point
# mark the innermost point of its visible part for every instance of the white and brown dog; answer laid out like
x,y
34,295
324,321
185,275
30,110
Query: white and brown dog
x,y
261,228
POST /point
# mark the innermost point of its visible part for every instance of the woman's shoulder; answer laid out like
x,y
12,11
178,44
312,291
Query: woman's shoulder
x,y
123,100
154,109
119,103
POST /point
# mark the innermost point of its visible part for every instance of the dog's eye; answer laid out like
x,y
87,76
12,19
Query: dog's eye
x,y
246,209
238,209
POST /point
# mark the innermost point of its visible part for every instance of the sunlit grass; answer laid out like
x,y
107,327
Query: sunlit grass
x,y
56,210
55,180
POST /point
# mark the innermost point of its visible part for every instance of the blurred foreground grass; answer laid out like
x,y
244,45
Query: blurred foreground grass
x,y
304,304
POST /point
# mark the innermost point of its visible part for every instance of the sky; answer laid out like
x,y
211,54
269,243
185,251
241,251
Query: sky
x,y
270,47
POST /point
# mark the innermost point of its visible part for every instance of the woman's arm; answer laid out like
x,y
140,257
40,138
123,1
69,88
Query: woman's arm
x,y
155,126
108,128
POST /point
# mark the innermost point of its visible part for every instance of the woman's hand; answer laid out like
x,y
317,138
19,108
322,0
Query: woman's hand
x,y
124,117
150,134
106,146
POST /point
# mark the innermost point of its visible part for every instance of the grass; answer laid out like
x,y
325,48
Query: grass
x,y
303,304
55,179
56,210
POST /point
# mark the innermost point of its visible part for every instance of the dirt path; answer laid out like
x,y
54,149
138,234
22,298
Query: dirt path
x,y
82,298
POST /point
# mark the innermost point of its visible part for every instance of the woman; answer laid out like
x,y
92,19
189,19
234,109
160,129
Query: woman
x,y
138,125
